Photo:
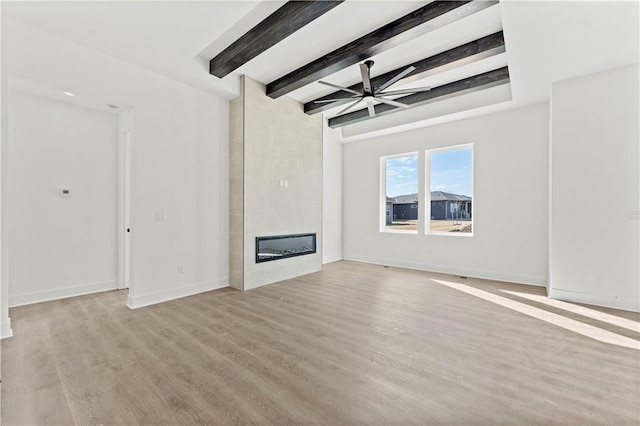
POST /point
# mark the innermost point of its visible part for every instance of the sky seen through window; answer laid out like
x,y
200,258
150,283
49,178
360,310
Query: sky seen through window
x,y
450,172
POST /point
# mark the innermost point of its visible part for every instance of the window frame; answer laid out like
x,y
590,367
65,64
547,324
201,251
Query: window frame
x,y
383,194
427,191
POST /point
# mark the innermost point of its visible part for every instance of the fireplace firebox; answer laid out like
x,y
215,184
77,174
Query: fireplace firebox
x,y
277,247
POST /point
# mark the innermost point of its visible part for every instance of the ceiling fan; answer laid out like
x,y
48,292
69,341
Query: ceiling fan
x,y
371,93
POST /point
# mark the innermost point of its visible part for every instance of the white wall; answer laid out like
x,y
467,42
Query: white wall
x,y
595,189
212,196
5,321
60,246
332,195
180,160
510,199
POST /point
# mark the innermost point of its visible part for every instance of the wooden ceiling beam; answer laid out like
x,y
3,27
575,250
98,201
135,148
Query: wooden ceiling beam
x,y
461,87
473,51
288,19
416,23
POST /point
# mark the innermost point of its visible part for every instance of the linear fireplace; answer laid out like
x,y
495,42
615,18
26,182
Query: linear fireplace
x,y
277,247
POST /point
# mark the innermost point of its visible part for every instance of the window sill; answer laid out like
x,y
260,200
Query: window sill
x,y
399,232
450,234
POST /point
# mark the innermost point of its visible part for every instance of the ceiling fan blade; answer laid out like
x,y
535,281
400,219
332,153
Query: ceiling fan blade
x,y
405,91
366,79
396,78
327,101
372,110
349,107
335,86
394,103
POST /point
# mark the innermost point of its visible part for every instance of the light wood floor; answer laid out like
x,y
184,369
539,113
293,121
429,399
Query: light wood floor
x,y
352,344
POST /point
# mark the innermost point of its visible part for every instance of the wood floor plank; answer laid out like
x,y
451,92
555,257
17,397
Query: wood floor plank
x,y
35,395
352,344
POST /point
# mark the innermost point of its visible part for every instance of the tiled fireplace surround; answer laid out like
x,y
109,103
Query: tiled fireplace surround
x,y
275,179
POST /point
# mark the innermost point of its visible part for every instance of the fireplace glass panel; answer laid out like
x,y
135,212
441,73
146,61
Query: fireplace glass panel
x,y
282,246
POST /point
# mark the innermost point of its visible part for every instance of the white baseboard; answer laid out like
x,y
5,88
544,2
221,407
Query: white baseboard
x,y
332,258
135,302
594,299
6,330
61,293
472,273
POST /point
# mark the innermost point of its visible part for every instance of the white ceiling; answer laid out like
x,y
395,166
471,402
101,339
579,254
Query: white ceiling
x,y
546,41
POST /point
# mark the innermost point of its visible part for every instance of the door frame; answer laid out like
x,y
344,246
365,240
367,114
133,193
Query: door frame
x,y
125,174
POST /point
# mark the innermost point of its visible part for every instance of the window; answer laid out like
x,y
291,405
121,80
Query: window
x,y
450,195
400,197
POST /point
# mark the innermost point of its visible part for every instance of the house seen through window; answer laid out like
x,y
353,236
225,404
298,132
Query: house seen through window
x,y
401,193
450,196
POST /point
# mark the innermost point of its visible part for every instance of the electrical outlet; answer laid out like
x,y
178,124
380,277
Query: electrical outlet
x,y
161,216
181,269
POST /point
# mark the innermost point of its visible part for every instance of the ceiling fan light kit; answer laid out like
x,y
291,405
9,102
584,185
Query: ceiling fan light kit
x,y
371,94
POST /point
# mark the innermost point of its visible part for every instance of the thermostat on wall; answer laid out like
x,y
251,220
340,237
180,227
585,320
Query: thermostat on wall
x,y
65,193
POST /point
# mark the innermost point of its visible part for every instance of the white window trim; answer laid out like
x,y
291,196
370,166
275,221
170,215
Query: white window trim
x,y
383,193
427,179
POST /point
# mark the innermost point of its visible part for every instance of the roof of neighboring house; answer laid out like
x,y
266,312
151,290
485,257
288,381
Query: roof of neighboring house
x,y
435,196
446,196
406,199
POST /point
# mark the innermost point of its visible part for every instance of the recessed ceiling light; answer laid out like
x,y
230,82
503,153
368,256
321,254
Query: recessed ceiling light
x,y
69,93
